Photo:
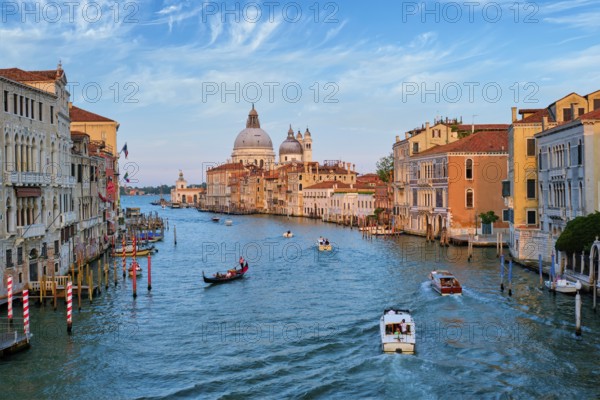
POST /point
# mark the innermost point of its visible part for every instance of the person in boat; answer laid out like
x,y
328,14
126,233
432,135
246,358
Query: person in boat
x,y
288,232
320,240
241,262
391,312
403,327
326,242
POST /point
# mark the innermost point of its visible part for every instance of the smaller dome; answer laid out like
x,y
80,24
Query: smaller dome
x,y
299,135
307,133
290,145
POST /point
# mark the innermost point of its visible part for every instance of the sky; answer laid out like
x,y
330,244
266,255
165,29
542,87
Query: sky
x,y
181,76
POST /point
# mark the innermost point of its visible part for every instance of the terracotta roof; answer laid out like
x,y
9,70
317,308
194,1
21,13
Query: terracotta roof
x,y
536,117
228,167
19,75
80,115
49,74
483,127
591,115
529,110
479,142
328,185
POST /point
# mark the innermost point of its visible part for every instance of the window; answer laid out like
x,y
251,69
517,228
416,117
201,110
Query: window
x,y
414,192
567,116
9,260
415,147
469,169
6,101
439,198
40,114
531,188
32,109
469,198
530,147
505,188
26,107
505,215
44,250
51,114
531,217
596,104
21,105
15,97
56,249
579,153
581,111
19,255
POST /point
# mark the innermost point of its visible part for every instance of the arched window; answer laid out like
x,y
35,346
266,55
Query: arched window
x,y
469,169
579,153
469,198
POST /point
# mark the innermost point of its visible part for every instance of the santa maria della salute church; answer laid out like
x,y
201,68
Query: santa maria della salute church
x,y
255,180
253,146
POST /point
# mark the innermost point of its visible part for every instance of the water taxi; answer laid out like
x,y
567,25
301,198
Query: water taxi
x,y
445,283
288,234
324,244
398,331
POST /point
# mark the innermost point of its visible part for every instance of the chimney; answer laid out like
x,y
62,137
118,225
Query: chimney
x,y
406,135
544,122
397,138
514,113
573,116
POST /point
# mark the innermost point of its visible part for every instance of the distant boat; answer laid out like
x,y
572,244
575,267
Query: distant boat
x,y
138,270
324,245
175,205
228,222
215,219
288,234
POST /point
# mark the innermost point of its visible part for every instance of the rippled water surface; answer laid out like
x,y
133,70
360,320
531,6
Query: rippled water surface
x,y
304,324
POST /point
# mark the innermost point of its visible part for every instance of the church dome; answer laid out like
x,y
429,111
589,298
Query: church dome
x,y
290,145
253,137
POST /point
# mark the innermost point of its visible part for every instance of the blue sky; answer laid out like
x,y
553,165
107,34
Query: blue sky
x,y
180,76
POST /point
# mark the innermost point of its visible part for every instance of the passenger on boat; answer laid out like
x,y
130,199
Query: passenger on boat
x,y
321,240
391,312
403,327
241,262
326,242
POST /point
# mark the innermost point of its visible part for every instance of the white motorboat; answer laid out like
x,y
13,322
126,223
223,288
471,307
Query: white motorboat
x,y
228,222
324,245
288,234
445,283
398,331
562,286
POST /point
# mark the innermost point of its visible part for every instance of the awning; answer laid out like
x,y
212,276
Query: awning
x,y
29,192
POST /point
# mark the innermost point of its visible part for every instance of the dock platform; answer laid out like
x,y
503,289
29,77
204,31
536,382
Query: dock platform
x,y
12,337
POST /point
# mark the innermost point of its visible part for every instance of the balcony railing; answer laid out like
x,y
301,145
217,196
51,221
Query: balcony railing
x,y
29,231
68,218
88,223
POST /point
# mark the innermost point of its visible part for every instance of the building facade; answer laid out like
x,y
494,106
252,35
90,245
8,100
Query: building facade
x,y
182,193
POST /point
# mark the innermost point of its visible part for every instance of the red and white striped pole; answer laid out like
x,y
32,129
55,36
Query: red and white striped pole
x,y
69,307
26,312
123,243
9,285
149,272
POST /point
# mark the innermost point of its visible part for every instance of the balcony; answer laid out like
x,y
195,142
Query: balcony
x,y
68,218
424,182
88,223
557,174
30,231
26,178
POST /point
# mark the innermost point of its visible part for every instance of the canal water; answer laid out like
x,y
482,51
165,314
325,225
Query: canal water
x,y
304,324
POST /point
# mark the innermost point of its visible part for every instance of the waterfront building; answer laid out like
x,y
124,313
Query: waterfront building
x,y
102,132
415,141
37,186
522,189
451,185
219,181
569,181
351,204
90,238
182,193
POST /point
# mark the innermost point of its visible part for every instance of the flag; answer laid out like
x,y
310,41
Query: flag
x,y
124,149
126,177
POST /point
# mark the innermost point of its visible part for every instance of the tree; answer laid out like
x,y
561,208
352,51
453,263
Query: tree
x,y
579,234
385,168
488,218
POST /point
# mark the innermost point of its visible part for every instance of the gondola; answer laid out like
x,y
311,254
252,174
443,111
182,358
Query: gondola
x,y
235,274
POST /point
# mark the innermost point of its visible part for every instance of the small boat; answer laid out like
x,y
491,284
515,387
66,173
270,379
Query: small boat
x,y
288,234
175,205
324,245
138,270
228,222
445,283
230,275
562,286
215,219
398,331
